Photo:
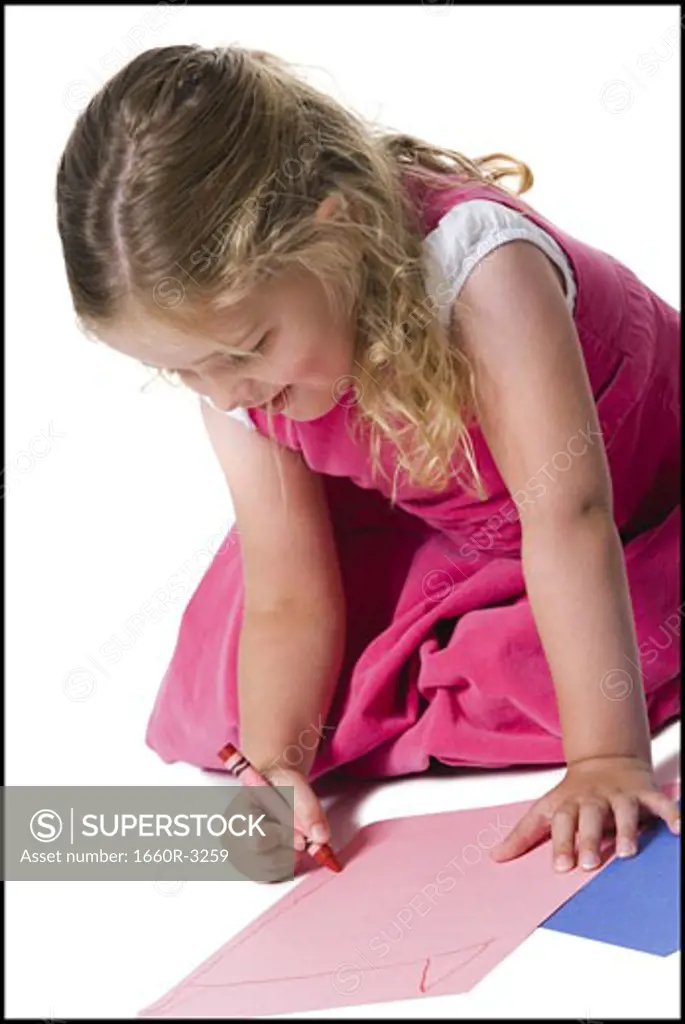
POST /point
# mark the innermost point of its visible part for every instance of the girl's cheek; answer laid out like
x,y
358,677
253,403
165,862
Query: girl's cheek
x,y
291,367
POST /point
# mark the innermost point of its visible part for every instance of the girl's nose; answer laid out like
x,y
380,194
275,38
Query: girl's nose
x,y
219,408
227,399
225,396
218,397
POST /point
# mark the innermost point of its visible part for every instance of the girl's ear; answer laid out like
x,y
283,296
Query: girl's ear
x,y
338,203
328,207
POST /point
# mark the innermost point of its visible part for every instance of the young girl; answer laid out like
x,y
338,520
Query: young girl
x,y
450,432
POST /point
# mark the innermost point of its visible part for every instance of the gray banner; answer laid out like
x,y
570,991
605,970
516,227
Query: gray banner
x,y
147,833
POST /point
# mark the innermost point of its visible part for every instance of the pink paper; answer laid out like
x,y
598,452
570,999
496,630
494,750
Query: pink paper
x,y
419,910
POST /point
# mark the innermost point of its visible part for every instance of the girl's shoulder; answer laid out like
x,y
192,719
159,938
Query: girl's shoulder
x,y
471,229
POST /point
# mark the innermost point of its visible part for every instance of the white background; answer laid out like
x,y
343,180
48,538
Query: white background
x,y
126,493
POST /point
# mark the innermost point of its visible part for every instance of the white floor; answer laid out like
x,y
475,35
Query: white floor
x,y
108,949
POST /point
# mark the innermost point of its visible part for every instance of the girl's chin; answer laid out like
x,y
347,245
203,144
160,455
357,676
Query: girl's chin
x,y
302,407
277,404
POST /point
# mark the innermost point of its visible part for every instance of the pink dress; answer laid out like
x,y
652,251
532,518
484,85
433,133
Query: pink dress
x,y
443,658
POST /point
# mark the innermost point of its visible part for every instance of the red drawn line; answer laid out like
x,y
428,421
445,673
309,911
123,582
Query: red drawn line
x,y
287,903
478,949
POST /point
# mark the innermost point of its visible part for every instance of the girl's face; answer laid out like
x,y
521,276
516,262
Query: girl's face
x,y
290,337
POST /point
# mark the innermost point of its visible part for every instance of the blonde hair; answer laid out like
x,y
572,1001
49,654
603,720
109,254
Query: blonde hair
x,y
187,145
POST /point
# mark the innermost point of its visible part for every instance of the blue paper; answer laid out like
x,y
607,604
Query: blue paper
x,y
634,902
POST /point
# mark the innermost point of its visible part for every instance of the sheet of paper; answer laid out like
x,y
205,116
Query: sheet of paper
x,y
634,903
419,910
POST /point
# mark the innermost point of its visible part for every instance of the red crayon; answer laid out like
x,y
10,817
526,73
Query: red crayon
x,y
239,766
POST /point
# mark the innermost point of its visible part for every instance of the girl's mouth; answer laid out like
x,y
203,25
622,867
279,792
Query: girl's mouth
x,y
280,400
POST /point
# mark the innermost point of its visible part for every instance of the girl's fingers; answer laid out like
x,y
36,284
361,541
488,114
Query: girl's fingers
x,y
532,827
309,812
661,806
269,836
274,802
564,824
626,811
267,855
591,822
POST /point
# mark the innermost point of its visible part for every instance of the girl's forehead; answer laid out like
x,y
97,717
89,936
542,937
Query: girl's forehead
x,y
175,346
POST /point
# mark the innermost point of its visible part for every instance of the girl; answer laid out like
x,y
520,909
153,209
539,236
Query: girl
x,y
449,428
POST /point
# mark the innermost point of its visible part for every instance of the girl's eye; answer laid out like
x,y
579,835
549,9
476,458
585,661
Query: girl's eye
x,y
259,347
231,360
177,376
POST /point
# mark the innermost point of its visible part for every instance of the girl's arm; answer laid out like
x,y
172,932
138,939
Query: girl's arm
x,y
293,629
288,666
535,403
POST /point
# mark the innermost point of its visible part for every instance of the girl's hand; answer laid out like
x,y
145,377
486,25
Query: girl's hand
x,y
308,810
274,850
600,793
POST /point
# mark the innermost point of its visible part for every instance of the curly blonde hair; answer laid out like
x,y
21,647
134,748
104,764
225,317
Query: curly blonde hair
x,y
186,145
